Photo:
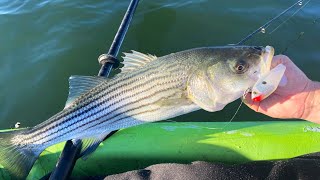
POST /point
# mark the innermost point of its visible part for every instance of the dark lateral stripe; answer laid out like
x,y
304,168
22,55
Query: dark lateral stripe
x,y
116,85
147,111
98,88
122,82
49,127
113,120
107,99
118,108
110,118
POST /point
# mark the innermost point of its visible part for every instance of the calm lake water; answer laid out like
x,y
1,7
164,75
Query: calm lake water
x,y
42,43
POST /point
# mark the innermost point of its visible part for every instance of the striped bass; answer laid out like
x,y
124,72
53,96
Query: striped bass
x,y
148,89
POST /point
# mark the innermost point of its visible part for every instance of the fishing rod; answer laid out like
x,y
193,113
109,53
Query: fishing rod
x,y
72,148
263,27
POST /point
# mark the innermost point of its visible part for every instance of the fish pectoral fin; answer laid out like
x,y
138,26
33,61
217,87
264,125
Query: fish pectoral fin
x,y
89,145
175,98
173,102
135,60
78,85
209,107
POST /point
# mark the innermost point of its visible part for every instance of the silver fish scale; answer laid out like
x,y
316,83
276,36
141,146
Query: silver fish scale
x,y
127,100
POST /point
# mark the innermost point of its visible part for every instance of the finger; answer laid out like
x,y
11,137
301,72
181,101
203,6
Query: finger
x,y
279,59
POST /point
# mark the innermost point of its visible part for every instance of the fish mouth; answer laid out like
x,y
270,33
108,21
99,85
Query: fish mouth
x,y
266,59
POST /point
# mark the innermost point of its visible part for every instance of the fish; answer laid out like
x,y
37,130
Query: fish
x,y
147,89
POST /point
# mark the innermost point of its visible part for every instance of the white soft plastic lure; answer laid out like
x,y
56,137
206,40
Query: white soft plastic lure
x,y
268,83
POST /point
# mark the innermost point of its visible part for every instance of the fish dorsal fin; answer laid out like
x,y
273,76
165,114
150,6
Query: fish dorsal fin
x,y
135,60
78,85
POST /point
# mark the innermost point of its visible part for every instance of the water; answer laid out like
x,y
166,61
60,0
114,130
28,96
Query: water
x,y
42,43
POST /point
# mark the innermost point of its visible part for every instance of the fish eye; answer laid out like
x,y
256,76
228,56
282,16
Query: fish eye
x,y
241,67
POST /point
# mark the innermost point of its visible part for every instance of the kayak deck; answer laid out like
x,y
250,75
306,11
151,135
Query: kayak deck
x,y
144,145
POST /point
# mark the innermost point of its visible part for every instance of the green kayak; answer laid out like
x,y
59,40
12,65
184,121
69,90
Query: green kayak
x,y
154,143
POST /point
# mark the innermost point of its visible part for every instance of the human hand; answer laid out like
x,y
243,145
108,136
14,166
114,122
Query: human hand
x,y
288,101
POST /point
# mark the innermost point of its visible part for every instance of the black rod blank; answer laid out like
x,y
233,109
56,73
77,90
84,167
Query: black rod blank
x,y
110,60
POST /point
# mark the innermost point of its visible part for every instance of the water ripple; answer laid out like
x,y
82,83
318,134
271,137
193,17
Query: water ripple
x,y
12,6
170,4
47,50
